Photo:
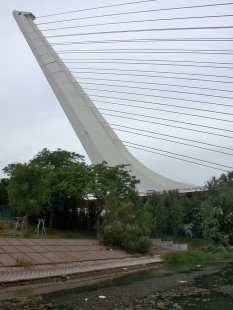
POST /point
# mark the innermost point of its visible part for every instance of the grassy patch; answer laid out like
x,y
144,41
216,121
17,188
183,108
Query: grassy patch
x,y
199,251
63,234
185,256
6,228
192,242
6,231
198,255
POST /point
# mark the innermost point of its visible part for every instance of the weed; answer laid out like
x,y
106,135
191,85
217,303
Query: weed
x,y
24,262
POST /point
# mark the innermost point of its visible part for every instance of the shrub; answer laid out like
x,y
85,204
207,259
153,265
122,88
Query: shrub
x,y
144,244
125,236
186,256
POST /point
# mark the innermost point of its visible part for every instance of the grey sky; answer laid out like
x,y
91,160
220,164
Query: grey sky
x,y
31,117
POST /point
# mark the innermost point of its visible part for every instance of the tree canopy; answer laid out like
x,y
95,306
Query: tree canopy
x,y
59,182
60,186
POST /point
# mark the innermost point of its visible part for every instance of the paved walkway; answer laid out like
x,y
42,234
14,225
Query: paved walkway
x,y
29,259
21,252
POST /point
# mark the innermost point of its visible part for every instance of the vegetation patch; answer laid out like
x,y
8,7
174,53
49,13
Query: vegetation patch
x,y
198,256
125,226
74,196
24,262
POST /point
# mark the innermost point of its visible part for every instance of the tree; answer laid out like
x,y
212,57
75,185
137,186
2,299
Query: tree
x,y
126,223
175,209
220,196
28,190
4,208
125,226
67,175
58,184
209,220
155,206
168,211
74,186
56,160
3,192
112,181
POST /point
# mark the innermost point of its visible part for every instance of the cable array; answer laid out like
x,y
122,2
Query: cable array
x,y
158,40
138,21
154,96
169,125
95,8
154,83
147,149
166,90
138,31
136,12
166,119
181,155
160,74
155,109
157,62
172,136
169,140
135,73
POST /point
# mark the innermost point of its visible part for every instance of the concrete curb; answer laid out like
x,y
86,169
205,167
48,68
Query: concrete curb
x,y
15,274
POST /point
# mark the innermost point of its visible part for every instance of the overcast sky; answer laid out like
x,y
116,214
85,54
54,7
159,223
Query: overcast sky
x,y
32,119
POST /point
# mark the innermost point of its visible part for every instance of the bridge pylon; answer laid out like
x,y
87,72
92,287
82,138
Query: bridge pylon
x,y
97,137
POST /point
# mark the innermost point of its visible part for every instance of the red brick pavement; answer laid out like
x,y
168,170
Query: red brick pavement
x,y
14,252
30,259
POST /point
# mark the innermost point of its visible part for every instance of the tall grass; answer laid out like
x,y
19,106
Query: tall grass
x,y
199,255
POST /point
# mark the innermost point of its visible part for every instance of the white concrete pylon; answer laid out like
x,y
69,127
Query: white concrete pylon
x,y
97,137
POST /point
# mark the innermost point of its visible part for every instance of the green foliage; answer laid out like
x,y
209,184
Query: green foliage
x,y
28,189
56,160
186,256
108,181
193,243
215,215
211,249
74,181
126,226
209,222
207,215
197,256
3,192
129,237
68,179
58,184
167,209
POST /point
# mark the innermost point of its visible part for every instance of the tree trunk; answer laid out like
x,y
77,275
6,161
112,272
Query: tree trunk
x,y
24,226
51,220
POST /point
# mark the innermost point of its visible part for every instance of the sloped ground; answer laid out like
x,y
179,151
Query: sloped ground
x,y
28,259
29,252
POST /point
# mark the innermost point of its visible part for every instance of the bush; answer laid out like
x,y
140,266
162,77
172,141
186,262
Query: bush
x,y
113,234
144,244
125,236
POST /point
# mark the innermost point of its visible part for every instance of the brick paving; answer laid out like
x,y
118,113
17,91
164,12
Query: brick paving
x,y
50,251
29,259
